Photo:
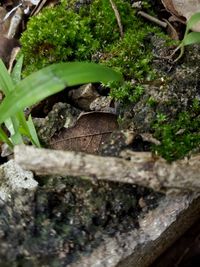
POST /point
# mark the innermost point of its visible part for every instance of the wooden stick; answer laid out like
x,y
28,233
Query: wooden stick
x,y
141,169
153,19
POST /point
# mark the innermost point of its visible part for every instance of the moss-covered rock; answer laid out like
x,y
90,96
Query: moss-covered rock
x,y
169,107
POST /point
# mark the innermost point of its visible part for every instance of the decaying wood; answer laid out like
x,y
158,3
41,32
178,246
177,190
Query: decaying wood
x,y
140,168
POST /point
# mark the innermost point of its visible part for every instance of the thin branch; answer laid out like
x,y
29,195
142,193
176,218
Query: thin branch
x,y
117,15
141,168
153,19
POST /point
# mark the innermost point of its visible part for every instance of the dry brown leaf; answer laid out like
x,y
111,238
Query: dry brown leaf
x,y
183,8
6,48
169,5
88,134
4,25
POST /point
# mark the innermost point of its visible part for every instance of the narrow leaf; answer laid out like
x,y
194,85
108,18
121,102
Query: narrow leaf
x,y
16,138
192,38
51,80
4,138
17,70
32,131
192,21
6,84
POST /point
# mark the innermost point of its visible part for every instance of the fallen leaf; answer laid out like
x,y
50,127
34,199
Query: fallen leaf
x,y
6,47
88,134
183,8
4,25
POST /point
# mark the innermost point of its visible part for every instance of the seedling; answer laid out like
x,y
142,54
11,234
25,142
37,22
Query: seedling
x,y
189,37
20,94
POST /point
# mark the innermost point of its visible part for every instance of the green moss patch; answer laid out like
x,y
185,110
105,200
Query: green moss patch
x,y
179,137
90,32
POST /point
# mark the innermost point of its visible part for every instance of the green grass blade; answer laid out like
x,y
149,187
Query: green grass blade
x,y
6,83
51,80
12,124
16,138
22,123
17,70
33,134
4,138
27,129
192,38
7,86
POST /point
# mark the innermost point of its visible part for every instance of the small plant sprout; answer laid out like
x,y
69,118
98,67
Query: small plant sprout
x,y
189,37
20,94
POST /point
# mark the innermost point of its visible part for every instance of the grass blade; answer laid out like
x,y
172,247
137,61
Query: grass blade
x,y
4,138
32,132
17,70
51,80
6,83
7,86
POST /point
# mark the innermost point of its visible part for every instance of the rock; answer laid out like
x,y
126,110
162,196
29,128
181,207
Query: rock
x,y
14,179
158,229
72,222
103,103
61,115
173,92
83,96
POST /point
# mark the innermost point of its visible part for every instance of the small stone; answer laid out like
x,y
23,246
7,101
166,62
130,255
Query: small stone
x,y
14,179
83,96
104,104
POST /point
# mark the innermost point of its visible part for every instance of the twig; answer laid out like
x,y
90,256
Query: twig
x,y
13,56
38,7
117,15
153,19
142,169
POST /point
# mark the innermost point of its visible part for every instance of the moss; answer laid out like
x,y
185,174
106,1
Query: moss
x,y
126,93
152,102
132,54
91,33
102,20
56,34
178,137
